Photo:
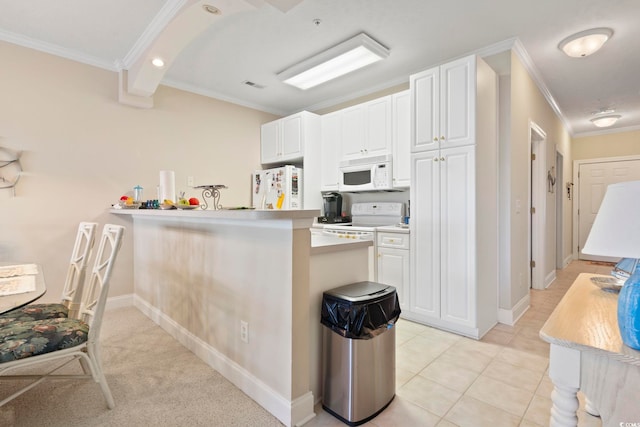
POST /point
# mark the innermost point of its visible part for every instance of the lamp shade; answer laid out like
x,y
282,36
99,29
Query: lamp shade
x,y
616,229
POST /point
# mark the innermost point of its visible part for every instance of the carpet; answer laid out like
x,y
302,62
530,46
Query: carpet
x,y
154,381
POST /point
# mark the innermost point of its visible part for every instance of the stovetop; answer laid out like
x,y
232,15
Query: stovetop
x,y
334,220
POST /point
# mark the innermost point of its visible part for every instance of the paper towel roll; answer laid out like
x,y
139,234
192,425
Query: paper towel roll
x,y
167,186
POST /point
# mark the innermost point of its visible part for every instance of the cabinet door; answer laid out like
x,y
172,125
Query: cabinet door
x,y
378,129
353,135
457,103
425,111
425,235
330,151
270,142
457,231
401,124
393,269
292,138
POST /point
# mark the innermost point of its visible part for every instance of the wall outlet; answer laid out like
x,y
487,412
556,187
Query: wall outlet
x,y
244,331
190,181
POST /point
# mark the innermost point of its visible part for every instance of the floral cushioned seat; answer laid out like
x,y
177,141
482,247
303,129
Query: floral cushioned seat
x,y
20,340
32,312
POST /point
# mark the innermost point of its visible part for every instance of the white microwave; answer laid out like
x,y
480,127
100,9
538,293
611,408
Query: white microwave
x,y
366,174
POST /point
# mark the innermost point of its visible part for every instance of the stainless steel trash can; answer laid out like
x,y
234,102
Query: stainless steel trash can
x,y
359,355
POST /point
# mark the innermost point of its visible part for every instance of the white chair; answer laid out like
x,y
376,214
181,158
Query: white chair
x,y
72,292
23,344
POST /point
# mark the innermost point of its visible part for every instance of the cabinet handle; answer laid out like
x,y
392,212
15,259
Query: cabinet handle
x,y
435,159
442,159
435,139
442,138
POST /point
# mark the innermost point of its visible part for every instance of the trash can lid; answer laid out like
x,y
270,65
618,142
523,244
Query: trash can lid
x,y
361,291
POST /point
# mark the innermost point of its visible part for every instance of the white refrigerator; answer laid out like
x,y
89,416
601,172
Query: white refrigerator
x,y
277,188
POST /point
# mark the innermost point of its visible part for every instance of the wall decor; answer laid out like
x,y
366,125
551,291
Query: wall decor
x,y
10,169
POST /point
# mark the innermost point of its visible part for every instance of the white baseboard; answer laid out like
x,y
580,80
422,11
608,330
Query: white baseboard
x,y
567,261
290,413
550,278
510,317
119,302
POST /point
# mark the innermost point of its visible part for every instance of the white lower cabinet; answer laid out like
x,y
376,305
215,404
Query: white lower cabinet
x,y
453,243
444,261
393,263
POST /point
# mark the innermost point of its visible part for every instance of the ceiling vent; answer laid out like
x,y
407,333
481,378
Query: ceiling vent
x,y
252,84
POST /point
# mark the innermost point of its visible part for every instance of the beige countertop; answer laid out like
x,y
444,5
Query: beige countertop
x,y
240,214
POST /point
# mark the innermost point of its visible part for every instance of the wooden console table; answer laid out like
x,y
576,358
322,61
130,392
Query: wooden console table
x,y
587,354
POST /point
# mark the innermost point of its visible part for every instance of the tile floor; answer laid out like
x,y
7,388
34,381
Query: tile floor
x,y
444,380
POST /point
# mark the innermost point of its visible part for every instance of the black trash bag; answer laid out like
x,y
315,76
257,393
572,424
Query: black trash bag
x,y
360,319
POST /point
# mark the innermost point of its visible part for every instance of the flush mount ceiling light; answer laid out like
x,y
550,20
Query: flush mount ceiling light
x,y
605,121
348,56
586,42
157,62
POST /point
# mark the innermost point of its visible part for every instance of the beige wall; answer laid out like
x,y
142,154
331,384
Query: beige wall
x,y
527,104
609,145
82,150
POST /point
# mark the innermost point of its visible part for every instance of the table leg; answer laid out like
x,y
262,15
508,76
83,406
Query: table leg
x,y
564,371
588,406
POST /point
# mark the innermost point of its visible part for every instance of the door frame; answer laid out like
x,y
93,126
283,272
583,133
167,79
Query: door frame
x,y
576,193
559,189
537,199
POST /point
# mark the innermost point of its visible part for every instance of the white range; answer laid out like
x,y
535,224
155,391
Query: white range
x,y
365,219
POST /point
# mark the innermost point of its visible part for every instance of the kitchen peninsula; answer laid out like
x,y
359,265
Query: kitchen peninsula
x,y
242,290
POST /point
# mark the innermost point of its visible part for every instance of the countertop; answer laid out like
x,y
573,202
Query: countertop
x,y
404,229
241,214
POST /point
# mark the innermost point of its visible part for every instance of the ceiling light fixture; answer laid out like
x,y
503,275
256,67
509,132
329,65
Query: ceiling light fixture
x,y
605,121
586,42
211,9
157,62
348,56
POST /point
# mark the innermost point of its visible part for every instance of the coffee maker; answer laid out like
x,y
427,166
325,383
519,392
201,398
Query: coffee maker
x,y
332,208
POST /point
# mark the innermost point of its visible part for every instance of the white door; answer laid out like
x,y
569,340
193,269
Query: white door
x,y
457,103
270,142
292,139
425,235
401,139
458,231
393,269
593,181
353,136
425,110
330,151
378,127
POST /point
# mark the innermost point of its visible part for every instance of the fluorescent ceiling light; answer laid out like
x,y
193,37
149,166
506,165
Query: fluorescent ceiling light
x,y
605,121
586,42
337,61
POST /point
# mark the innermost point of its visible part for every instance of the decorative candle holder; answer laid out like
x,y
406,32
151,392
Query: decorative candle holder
x,y
212,192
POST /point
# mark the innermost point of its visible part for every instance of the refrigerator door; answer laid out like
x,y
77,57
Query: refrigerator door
x,y
277,188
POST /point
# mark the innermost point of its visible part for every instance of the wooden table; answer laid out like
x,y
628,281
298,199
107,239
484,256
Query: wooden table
x,y
12,277
587,354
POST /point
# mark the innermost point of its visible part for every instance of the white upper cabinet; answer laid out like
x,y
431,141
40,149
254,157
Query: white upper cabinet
x,y
443,100
401,139
367,129
283,140
330,151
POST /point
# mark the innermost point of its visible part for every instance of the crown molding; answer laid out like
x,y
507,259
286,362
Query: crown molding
x,y
56,50
528,64
607,131
221,97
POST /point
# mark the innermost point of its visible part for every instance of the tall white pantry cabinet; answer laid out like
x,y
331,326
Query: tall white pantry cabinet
x,y
454,198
